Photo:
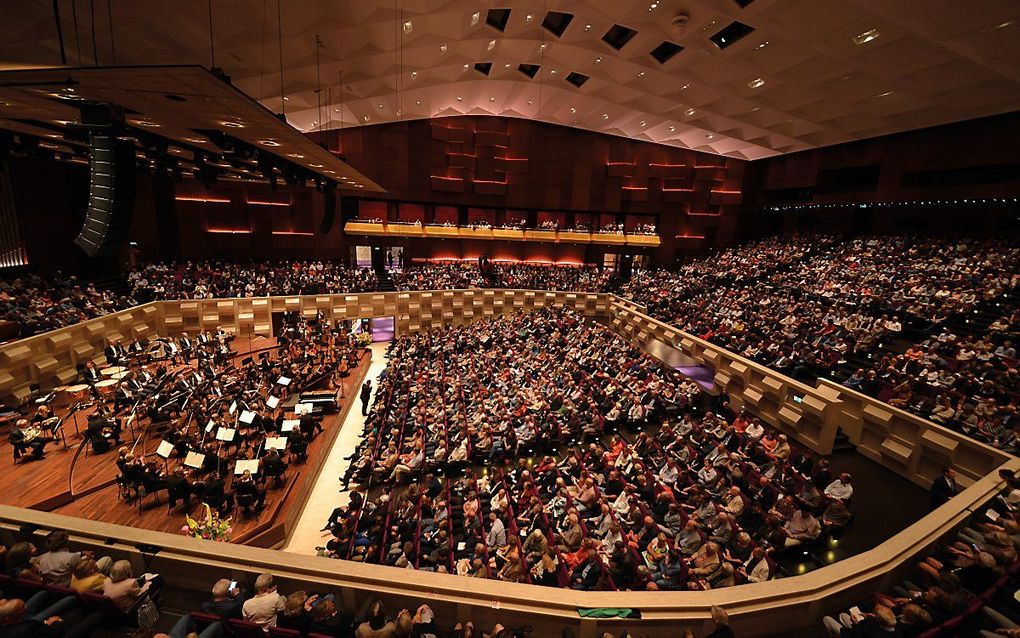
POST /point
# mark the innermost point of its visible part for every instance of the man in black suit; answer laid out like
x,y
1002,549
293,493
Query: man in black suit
x,y
178,488
366,394
115,353
943,487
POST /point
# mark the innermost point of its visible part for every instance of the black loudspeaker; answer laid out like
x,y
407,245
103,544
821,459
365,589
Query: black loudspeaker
x,y
329,210
111,194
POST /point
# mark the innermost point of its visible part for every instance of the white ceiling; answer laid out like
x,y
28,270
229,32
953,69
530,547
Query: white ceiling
x,y
935,61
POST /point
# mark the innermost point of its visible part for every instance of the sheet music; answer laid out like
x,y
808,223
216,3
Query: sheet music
x,y
164,449
288,425
225,434
276,443
194,460
303,408
272,402
284,381
233,407
247,416
252,465
209,426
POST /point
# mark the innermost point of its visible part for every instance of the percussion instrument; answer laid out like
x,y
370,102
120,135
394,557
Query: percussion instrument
x,y
112,370
78,392
31,432
120,375
62,397
107,387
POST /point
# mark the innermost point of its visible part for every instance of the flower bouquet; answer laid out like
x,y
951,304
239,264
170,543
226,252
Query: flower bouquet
x,y
212,527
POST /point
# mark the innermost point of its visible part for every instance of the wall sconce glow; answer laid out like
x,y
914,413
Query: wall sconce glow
x,y
867,36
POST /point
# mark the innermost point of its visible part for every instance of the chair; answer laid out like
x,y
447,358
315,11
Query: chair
x,y
203,620
245,629
112,614
280,632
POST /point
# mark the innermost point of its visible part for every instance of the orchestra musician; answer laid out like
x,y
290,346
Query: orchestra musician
x,y
90,373
115,353
28,438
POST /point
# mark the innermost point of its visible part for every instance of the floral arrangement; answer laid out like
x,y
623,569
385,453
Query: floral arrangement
x,y
211,528
363,339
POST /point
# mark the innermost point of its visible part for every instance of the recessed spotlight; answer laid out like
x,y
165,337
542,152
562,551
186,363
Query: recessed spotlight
x,y
442,48
573,110
689,111
271,142
885,94
467,66
867,36
418,102
381,106
460,99
230,124
541,47
408,26
530,102
709,135
587,27
147,123
653,6
756,83
643,124
552,72
296,155
641,74
605,116
286,99
672,128
529,17
506,66
474,17
414,74
367,117
685,86
1005,24
761,46
598,60
316,165
194,140
492,45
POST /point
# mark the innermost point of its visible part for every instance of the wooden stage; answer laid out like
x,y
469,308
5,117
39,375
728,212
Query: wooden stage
x,y
76,483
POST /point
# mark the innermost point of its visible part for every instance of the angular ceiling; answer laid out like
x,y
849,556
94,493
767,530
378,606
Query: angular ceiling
x,y
797,81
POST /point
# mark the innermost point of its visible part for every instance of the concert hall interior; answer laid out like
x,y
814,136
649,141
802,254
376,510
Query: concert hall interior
x,y
447,318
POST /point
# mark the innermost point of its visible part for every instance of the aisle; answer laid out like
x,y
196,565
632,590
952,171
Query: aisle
x,y
324,495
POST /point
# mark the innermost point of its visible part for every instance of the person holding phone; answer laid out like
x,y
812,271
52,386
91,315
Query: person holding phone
x,y
227,599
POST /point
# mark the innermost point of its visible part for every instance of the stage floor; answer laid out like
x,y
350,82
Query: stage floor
x,y
71,482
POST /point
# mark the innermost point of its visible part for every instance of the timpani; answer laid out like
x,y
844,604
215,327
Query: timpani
x,y
78,393
112,370
107,387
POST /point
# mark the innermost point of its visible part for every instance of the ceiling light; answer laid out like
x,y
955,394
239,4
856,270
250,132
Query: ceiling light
x,y
367,117
271,142
408,26
529,101
756,83
643,123
685,87
316,165
709,135
460,99
762,45
587,27
414,74
232,124
885,94
474,17
1005,24
418,102
147,123
506,66
598,60
529,17
492,45
605,116
653,6
442,48
573,110
541,47
381,106
641,75
867,36
286,99
467,66
194,140
492,99
329,172
296,155
689,111
552,71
